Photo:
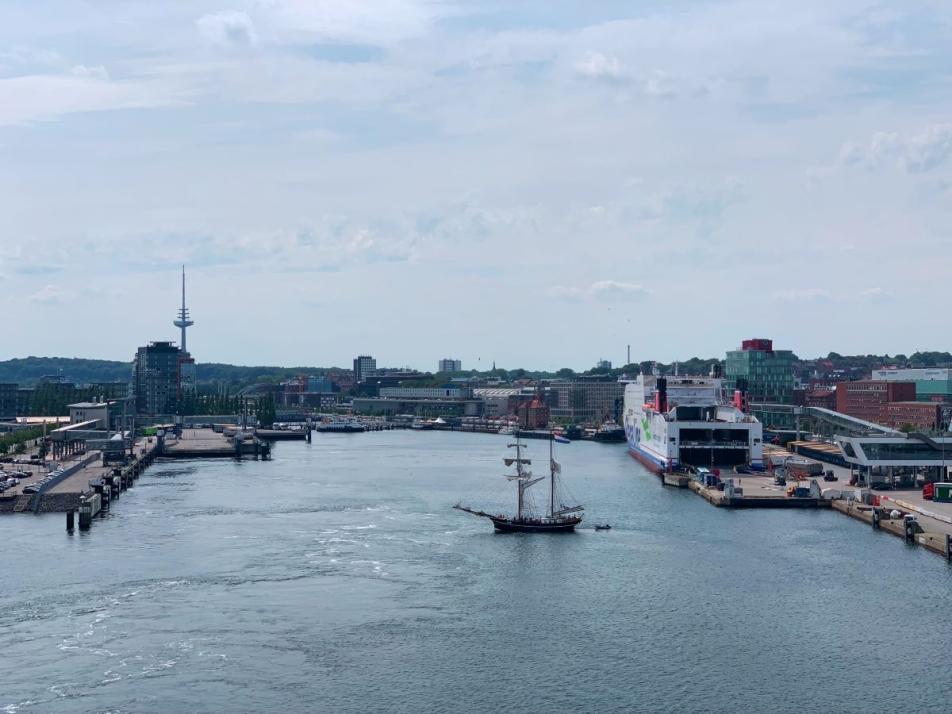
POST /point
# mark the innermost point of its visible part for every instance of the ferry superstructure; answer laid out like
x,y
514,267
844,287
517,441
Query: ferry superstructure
x,y
678,421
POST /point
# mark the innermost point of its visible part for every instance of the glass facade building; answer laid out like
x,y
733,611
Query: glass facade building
x,y
769,373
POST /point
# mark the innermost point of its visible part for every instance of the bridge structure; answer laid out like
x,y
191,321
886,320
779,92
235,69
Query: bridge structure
x,y
814,420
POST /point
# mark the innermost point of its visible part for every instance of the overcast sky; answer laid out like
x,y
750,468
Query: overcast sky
x,y
537,183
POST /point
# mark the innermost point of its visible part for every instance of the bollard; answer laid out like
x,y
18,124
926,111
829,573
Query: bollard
x,y
70,520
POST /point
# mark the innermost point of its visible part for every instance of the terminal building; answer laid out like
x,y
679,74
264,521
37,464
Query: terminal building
x,y
898,460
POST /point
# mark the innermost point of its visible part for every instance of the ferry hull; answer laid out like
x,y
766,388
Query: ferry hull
x,y
645,460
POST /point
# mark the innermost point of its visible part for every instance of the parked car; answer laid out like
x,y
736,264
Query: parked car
x,y
32,488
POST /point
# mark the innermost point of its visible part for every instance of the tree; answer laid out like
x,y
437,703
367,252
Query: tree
x,y
565,373
266,413
907,428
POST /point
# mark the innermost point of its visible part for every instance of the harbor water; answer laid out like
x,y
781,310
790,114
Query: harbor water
x,y
338,578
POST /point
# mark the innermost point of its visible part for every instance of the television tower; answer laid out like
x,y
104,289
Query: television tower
x,y
183,320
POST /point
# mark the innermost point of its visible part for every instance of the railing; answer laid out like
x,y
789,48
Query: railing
x,y
38,496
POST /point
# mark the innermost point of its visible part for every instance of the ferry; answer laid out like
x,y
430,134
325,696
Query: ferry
x,y
344,426
675,422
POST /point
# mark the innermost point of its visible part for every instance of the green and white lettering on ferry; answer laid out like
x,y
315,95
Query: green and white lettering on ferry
x,y
646,428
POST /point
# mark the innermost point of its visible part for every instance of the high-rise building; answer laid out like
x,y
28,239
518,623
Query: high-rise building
x,y
157,378
767,373
364,365
450,365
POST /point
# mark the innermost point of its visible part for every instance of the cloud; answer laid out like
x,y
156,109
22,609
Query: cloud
x,y
48,295
596,65
563,292
228,29
821,295
801,295
915,153
602,290
43,97
381,22
875,295
693,203
660,85
97,72
613,291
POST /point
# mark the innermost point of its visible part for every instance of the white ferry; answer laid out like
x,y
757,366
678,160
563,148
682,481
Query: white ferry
x,y
671,422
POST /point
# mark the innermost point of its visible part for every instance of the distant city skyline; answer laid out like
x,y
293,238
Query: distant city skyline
x,y
538,184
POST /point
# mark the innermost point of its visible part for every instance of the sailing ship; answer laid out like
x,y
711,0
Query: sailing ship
x,y
561,519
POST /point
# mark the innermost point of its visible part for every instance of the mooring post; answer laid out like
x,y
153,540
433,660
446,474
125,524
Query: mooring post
x,y
70,520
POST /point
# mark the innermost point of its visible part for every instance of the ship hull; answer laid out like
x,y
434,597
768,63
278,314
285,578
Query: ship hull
x,y
508,525
648,462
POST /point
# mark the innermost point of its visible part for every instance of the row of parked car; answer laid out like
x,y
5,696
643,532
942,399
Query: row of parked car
x,y
9,480
35,487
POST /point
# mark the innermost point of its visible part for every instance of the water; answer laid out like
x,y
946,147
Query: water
x,y
336,578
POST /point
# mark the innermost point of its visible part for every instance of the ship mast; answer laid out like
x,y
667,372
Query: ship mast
x,y
521,481
552,478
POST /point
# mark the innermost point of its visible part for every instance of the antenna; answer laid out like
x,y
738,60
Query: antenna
x,y
183,320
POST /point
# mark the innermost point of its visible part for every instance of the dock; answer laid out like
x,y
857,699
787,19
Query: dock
x,y
211,444
917,525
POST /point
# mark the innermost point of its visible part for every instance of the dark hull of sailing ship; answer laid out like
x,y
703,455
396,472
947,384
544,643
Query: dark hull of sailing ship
x,y
505,524
561,520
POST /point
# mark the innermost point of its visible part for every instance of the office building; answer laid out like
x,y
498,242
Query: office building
x,y
767,373
450,365
586,401
364,366
867,399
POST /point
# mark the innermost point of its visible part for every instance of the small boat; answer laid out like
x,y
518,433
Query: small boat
x,y
605,527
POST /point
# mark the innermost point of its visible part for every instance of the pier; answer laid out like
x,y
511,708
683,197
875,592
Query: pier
x,y
204,443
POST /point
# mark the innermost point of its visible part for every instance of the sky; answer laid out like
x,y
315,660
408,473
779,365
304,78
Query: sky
x,y
538,183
